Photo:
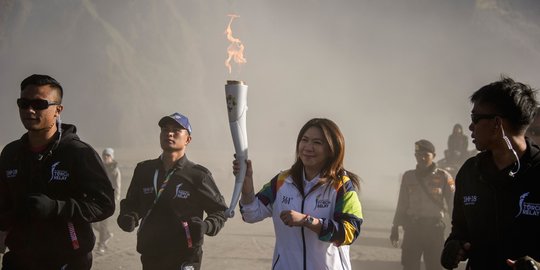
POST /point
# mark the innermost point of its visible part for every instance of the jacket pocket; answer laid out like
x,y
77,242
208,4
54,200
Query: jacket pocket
x,y
161,233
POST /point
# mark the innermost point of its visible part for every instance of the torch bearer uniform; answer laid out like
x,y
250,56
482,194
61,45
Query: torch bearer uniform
x,y
338,208
167,234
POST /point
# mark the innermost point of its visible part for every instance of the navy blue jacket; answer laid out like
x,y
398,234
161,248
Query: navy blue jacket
x,y
498,214
68,171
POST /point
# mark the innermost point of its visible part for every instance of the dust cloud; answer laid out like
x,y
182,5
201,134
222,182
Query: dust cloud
x,y
387,72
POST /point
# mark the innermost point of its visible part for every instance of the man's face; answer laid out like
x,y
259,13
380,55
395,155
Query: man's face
x,y
483,127
173,137
107,159
35,119
423,158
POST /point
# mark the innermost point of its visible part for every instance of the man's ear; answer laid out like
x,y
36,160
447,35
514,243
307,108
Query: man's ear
x,y
59,109
498,122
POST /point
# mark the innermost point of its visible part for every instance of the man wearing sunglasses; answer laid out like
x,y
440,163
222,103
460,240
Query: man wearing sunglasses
x,y
52,186
496,216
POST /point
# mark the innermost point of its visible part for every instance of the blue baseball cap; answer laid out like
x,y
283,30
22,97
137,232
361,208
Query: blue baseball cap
x,y
176,118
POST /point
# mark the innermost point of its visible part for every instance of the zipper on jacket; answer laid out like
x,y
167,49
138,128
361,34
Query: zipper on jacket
x,y
304,248
304,236
275,263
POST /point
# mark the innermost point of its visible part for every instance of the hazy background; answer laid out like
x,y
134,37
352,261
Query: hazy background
x,y
387,72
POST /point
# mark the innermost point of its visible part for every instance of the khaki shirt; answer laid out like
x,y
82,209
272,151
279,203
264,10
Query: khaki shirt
x,y
427,196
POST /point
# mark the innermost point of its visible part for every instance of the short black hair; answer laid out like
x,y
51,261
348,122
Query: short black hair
x,y
40,80
513,100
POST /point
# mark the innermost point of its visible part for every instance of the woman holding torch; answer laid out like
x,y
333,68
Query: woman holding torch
x,y
314,204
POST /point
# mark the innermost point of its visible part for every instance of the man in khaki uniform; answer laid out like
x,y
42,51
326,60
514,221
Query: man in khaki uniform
x,y
425,195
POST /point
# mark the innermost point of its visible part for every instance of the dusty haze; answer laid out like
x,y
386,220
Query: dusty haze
x,y
387,72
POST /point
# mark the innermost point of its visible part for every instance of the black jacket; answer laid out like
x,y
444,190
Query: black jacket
x,y
498,214
168,228
68,171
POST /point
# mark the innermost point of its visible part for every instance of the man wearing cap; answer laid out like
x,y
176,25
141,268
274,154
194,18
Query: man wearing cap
x,y
425,195
167,198
52,186
113,172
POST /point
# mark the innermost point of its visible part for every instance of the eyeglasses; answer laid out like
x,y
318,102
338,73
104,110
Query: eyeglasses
x,y
36,104
476,117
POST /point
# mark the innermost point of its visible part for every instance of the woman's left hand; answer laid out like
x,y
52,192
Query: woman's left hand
x,y
292,218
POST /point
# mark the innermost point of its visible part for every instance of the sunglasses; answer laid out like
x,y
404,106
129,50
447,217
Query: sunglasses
x,y
476,117
36,104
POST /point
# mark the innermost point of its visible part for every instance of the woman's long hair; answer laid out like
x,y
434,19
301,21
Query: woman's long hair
x,y
333,168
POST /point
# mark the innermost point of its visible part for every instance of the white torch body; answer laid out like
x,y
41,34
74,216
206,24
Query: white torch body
x,y
236,96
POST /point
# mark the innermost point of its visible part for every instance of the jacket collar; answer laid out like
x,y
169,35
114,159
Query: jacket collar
x,y
180,163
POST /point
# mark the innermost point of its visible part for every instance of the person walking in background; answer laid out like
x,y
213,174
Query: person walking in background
x,y
425,198
314,205
457,143
52,186
113,172
170,194
496,217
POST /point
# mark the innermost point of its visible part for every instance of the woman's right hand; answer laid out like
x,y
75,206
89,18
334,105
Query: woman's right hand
x,y
248,192
249,169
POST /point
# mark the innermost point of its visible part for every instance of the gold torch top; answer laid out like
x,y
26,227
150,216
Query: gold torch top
x,y
233,82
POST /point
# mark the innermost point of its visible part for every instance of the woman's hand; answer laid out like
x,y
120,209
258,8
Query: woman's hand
x,y
292,218
248,192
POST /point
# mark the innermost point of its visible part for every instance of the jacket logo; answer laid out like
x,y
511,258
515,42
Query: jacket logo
x,y
181,194
322,203
11,173
148,190
528,209
470,200
58,175
286,200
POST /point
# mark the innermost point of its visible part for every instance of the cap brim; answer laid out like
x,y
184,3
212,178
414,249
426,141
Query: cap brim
x,y
167,119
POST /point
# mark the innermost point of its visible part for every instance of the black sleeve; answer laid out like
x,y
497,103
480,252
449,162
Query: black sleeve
x,y
459,227
6,216
95,201
213,204
132,203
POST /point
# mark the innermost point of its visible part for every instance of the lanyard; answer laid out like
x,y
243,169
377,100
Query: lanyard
x,y
163,185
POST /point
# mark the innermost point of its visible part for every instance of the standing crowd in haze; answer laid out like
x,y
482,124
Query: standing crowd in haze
x,y
54,188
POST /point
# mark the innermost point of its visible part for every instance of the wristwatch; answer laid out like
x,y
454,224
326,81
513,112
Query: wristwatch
x,y
309,220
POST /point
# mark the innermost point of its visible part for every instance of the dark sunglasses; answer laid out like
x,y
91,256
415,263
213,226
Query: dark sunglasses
x,y
476,117
36,104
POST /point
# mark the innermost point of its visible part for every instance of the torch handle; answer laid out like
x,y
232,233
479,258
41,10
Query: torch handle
x,y
238,184
236,98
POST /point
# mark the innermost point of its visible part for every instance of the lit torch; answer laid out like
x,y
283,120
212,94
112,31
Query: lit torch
x,y
236,97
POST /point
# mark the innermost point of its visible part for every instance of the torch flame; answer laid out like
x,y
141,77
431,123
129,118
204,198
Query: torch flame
x,y
235,49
